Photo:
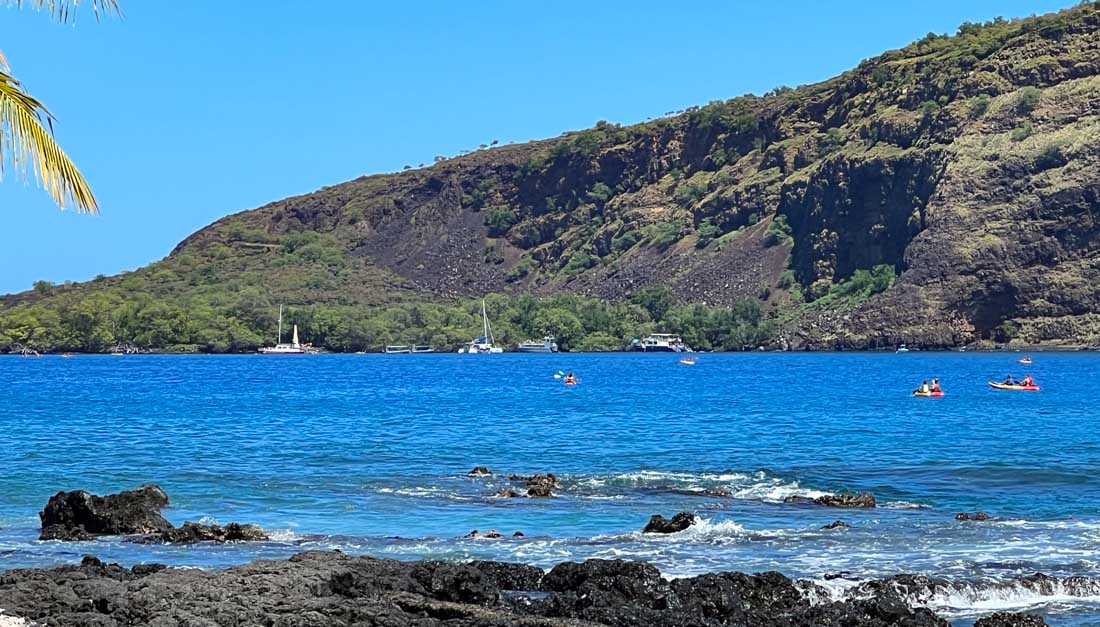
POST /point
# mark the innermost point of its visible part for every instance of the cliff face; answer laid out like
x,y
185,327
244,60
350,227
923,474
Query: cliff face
x,y
967,165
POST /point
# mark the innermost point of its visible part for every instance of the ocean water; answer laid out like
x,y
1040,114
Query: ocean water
x,y
369,454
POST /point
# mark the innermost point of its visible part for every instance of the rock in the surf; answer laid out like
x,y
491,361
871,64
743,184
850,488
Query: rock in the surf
x,y
659,524
507,493
538,486
479,471
540,490
846,499
837,524
978,516
78,515
549,479
799,500
1010,619
192,532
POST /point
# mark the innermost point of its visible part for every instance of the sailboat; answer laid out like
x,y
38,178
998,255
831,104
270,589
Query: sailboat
x,y
294,348
483,344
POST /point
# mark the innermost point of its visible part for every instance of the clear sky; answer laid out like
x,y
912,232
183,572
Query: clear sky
x,y
183,112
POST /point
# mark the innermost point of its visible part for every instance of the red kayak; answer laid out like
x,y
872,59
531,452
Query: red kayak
x,y
929,394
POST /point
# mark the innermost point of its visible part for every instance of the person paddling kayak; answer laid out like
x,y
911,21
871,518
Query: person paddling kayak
x,y
923,389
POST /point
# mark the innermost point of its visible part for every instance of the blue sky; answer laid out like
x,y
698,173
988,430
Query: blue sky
x,y
183,112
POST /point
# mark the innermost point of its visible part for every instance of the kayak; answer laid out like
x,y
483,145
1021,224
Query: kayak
x,y
1025,361
688,362
1022,388
929,394
570,382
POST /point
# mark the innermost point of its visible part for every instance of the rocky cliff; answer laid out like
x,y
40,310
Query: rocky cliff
x,y
962,173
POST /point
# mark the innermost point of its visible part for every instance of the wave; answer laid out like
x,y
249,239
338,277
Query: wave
x,y
704,531
965,598
755,486
13,621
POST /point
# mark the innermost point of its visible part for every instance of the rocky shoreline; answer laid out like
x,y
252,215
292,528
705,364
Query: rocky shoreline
x,y
332,588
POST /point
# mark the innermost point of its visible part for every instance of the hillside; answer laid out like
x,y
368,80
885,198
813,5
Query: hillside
x,y
941,194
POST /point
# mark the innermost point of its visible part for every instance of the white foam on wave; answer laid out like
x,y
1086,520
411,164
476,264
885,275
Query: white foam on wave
x,y
755,486
643,477
959,599
418,492
901,505
13,621
704,531
282,535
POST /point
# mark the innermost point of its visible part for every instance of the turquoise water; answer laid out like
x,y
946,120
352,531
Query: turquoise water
x,y
369,454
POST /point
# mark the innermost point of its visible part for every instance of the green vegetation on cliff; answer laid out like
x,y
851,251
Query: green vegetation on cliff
x,y
939,194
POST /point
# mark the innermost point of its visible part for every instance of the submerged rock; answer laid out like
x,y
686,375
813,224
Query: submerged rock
x,y
479,471
837,524
1009,619
978,516
846,499
330,588
861,499
659,524
192,532
799,500
78,515
539,491
507,493
491,534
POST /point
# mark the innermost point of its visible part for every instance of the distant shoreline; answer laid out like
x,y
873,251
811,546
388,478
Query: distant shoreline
x,y
1031,349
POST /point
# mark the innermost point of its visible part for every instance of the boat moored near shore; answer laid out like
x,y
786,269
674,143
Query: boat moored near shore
x,y
661,343
546,345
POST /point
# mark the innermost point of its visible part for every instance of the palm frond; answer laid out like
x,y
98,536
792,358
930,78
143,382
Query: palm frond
x,y
65,10
26,139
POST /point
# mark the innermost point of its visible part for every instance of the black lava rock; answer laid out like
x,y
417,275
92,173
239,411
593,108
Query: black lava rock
x,y
659,524
79,515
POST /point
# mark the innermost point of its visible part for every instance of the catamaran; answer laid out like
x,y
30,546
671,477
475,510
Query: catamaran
x,y
483,344
294,348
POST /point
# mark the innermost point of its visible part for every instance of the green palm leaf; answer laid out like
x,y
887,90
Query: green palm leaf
x,y
27,143
65,10
26,127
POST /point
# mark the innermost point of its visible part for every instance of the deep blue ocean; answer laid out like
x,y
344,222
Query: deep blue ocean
x,y
369,454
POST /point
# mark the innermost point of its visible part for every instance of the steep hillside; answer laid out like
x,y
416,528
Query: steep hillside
x,y
966,166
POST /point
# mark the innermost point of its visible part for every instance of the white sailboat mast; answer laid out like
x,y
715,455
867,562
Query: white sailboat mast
x,y
280,339
485,322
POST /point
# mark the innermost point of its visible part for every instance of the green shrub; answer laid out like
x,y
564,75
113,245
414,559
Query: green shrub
x,y
579,262
689,193
787,279
1022,132
830,141
499,221
1028,99
662,234
707,232
1050,157
626,241
779,232
520,271
599,194
979,105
